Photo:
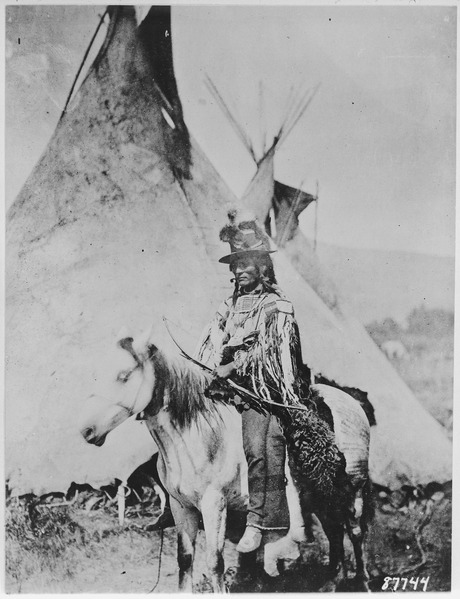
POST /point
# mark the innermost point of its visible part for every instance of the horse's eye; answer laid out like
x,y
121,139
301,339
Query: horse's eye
x,y
123,376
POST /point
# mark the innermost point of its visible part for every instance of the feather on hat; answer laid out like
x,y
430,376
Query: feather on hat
x,y
245,236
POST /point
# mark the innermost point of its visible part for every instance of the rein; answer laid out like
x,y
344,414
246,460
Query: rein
x,y
125,375
230,382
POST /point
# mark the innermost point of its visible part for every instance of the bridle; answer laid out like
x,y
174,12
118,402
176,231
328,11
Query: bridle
x,y
124,376
127,344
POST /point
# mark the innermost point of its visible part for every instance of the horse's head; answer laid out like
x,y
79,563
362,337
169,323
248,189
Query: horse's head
x,y
125,389
100,416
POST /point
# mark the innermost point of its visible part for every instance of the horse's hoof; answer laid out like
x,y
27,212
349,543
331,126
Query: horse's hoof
x,y
360,584
271,568
230,576
328,587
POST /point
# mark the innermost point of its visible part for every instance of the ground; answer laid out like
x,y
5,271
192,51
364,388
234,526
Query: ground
x,y
75,544
82,548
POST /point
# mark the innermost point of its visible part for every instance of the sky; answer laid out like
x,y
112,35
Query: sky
x,y
377,141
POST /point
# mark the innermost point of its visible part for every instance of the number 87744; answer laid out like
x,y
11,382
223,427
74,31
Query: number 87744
x,y
402,584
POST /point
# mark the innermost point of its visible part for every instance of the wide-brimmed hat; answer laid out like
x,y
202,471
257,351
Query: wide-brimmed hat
x,y
246,238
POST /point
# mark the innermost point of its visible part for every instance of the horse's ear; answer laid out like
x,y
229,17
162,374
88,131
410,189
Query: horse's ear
x,y
152,350
126,343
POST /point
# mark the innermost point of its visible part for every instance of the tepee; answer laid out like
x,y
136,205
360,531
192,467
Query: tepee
x,y
116,226
101,237
337,345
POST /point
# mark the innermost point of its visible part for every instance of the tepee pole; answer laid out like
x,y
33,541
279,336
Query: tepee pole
x,y
232,119
263,131
292,210
272,217
315,234
300,110
101,20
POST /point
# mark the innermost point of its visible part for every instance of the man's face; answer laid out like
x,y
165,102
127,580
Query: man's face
x,y
246,272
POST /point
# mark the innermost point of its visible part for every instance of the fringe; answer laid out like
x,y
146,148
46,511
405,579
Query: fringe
x,y
272,370
271,366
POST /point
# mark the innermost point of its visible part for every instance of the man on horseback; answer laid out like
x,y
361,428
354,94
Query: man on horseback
x,y
253,340
252,346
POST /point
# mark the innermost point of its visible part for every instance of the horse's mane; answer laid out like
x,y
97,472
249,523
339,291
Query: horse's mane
x,y
183,384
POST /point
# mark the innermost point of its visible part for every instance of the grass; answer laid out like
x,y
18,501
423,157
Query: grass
x,y
74,549
69,549
40,538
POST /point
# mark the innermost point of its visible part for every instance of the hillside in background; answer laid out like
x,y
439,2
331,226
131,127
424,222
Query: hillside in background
x,y
380,284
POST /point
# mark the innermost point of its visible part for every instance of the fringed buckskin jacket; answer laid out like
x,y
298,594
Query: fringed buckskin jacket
x,y
259,333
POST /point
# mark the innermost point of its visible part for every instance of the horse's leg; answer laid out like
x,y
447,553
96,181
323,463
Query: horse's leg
x,y
214,511
187,519
297,515
334,532
356,528
357,538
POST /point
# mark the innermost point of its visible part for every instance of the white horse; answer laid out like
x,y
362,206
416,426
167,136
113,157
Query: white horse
x,y
202,463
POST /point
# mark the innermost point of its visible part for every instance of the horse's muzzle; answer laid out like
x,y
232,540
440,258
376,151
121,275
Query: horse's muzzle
x,y
90,436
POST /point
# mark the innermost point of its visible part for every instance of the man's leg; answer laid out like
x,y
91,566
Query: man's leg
x,y
276,506
255,431
264,449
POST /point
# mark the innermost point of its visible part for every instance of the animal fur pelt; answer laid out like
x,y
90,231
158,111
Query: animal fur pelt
x,y
315,460
243,232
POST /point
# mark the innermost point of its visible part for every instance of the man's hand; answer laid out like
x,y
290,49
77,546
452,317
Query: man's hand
x,y
225,371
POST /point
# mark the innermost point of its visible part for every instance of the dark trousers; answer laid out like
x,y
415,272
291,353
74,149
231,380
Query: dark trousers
x,y
265,450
